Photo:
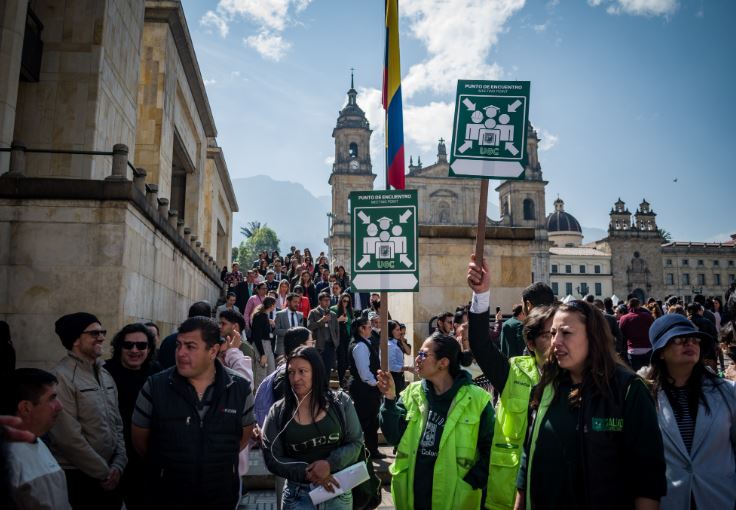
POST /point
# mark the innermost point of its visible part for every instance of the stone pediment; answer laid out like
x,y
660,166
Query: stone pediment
x,y
431,171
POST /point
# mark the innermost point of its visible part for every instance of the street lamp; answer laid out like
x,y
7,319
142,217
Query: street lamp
x,y
330,217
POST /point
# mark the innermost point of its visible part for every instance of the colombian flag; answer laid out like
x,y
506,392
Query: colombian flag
x,y
392,99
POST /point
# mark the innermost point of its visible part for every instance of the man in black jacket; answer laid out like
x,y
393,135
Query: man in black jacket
x,y
190,423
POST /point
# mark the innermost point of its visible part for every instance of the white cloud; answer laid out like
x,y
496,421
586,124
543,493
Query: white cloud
x,y
664,8
329,160
209,82
458,37
548,140
540,28
214,20
423,125
271,18
270,46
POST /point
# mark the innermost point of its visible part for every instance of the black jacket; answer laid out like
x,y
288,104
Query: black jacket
x,y
193,464
260,330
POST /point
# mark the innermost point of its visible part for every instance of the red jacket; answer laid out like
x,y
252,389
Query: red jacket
x,y
635,328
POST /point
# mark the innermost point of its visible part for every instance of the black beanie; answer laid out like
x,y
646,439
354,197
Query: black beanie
x,y
69,327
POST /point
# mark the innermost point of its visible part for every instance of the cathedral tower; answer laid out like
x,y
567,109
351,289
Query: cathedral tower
x,y
522,205
351,171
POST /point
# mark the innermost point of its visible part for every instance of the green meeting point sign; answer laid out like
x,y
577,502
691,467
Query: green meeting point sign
x,y
385,253
489,129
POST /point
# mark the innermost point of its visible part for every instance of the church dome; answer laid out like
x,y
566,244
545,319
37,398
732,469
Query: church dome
x,y
561,221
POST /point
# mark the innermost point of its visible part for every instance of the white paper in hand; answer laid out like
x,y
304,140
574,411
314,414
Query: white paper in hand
x,y
347,478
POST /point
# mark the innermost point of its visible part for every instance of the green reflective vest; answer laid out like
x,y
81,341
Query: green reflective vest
x,y
509,432
457,452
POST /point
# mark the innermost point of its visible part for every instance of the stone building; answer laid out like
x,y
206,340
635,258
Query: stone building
x,y
115,197
516,248
575,270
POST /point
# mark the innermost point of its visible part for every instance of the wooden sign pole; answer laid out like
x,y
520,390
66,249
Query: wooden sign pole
x,y
384,331
480,236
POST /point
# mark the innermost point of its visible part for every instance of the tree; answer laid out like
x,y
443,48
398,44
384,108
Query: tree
x,y
250,229
235,253
260,239
665,234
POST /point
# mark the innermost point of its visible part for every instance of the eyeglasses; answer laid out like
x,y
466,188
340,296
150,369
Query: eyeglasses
x,y
141,346
423,355
96,333
681,340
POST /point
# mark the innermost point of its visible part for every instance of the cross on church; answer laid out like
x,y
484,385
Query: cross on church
x,y
442,140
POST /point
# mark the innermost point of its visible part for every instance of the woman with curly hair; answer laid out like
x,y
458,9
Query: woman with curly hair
x,y
132,362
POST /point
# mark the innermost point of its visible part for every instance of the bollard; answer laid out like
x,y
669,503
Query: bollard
x,y
119,163
173,215
152,195
139,179
163,208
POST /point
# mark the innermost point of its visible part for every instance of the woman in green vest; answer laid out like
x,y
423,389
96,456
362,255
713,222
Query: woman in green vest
x,y
443,429
512,378
594,440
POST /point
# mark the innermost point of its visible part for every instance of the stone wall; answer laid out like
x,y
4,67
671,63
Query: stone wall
x,y
624,247
86,95
443,260
107,258
12,28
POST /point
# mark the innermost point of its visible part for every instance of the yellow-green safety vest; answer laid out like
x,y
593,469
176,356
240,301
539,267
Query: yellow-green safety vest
x,y
458,450
509,432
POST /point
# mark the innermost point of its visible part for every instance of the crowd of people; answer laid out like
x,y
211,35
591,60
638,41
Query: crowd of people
x,y
576,405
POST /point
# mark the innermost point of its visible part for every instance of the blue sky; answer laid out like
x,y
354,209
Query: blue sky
x,y
627,94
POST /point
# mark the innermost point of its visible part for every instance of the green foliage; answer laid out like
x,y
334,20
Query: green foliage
x,y
259,237
235,253
250,229
665,234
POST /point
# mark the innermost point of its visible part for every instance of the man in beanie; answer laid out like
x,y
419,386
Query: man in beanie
x,y
87,439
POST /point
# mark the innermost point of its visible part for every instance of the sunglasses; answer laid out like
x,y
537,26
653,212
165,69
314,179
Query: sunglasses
x,y
141,346
96,333
423,355
681,340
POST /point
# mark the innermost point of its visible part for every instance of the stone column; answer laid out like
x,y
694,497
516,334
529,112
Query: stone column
x,y
12,29
163,208
152,195
17,166
173,214
180,226
119,163
139,179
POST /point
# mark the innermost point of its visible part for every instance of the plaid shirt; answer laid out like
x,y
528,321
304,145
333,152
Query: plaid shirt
x,y
234,278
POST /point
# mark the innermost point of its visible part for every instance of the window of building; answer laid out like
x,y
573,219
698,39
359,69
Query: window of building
x,y
568,268
701,279
568,289
555,288
668,262
701,262
597,269
583,289
716,279
716,263
669,279
685,262
730,263
731,278
582,268
353,150
554,268
686,278
529,209
598,289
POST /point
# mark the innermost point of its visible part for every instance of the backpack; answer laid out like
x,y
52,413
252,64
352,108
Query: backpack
x,y
367,495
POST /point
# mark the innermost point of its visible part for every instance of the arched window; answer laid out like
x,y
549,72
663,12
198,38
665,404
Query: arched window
x,y
353,150
529,209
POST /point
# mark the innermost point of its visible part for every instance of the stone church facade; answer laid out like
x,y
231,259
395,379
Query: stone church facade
x,y
517,247
115,197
